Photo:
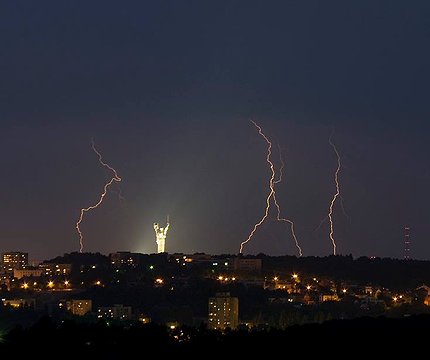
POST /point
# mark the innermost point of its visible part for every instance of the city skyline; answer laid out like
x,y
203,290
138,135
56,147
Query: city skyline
x,y
168,92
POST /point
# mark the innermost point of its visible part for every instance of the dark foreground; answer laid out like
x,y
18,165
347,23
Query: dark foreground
x,y
339,338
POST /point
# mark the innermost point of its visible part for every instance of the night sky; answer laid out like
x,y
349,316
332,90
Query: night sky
x,y
167,89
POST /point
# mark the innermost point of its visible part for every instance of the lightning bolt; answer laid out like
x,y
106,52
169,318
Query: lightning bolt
x,y
281,169
118,192
335,196
120,196
343,210
342,206
321,223
278,208
272,193
115,178
271,186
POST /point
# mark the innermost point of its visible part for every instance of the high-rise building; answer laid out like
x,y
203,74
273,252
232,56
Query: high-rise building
x,y
117,312
125,259
247,264
223,312
14,260
20,273
79,307
56,269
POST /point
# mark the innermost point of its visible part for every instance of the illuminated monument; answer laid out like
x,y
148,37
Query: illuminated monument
x,y
161,234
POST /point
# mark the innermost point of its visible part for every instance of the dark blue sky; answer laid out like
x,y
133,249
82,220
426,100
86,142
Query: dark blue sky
x,y
167,89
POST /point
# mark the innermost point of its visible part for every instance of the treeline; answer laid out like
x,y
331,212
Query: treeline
x,y
391,273
395,274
